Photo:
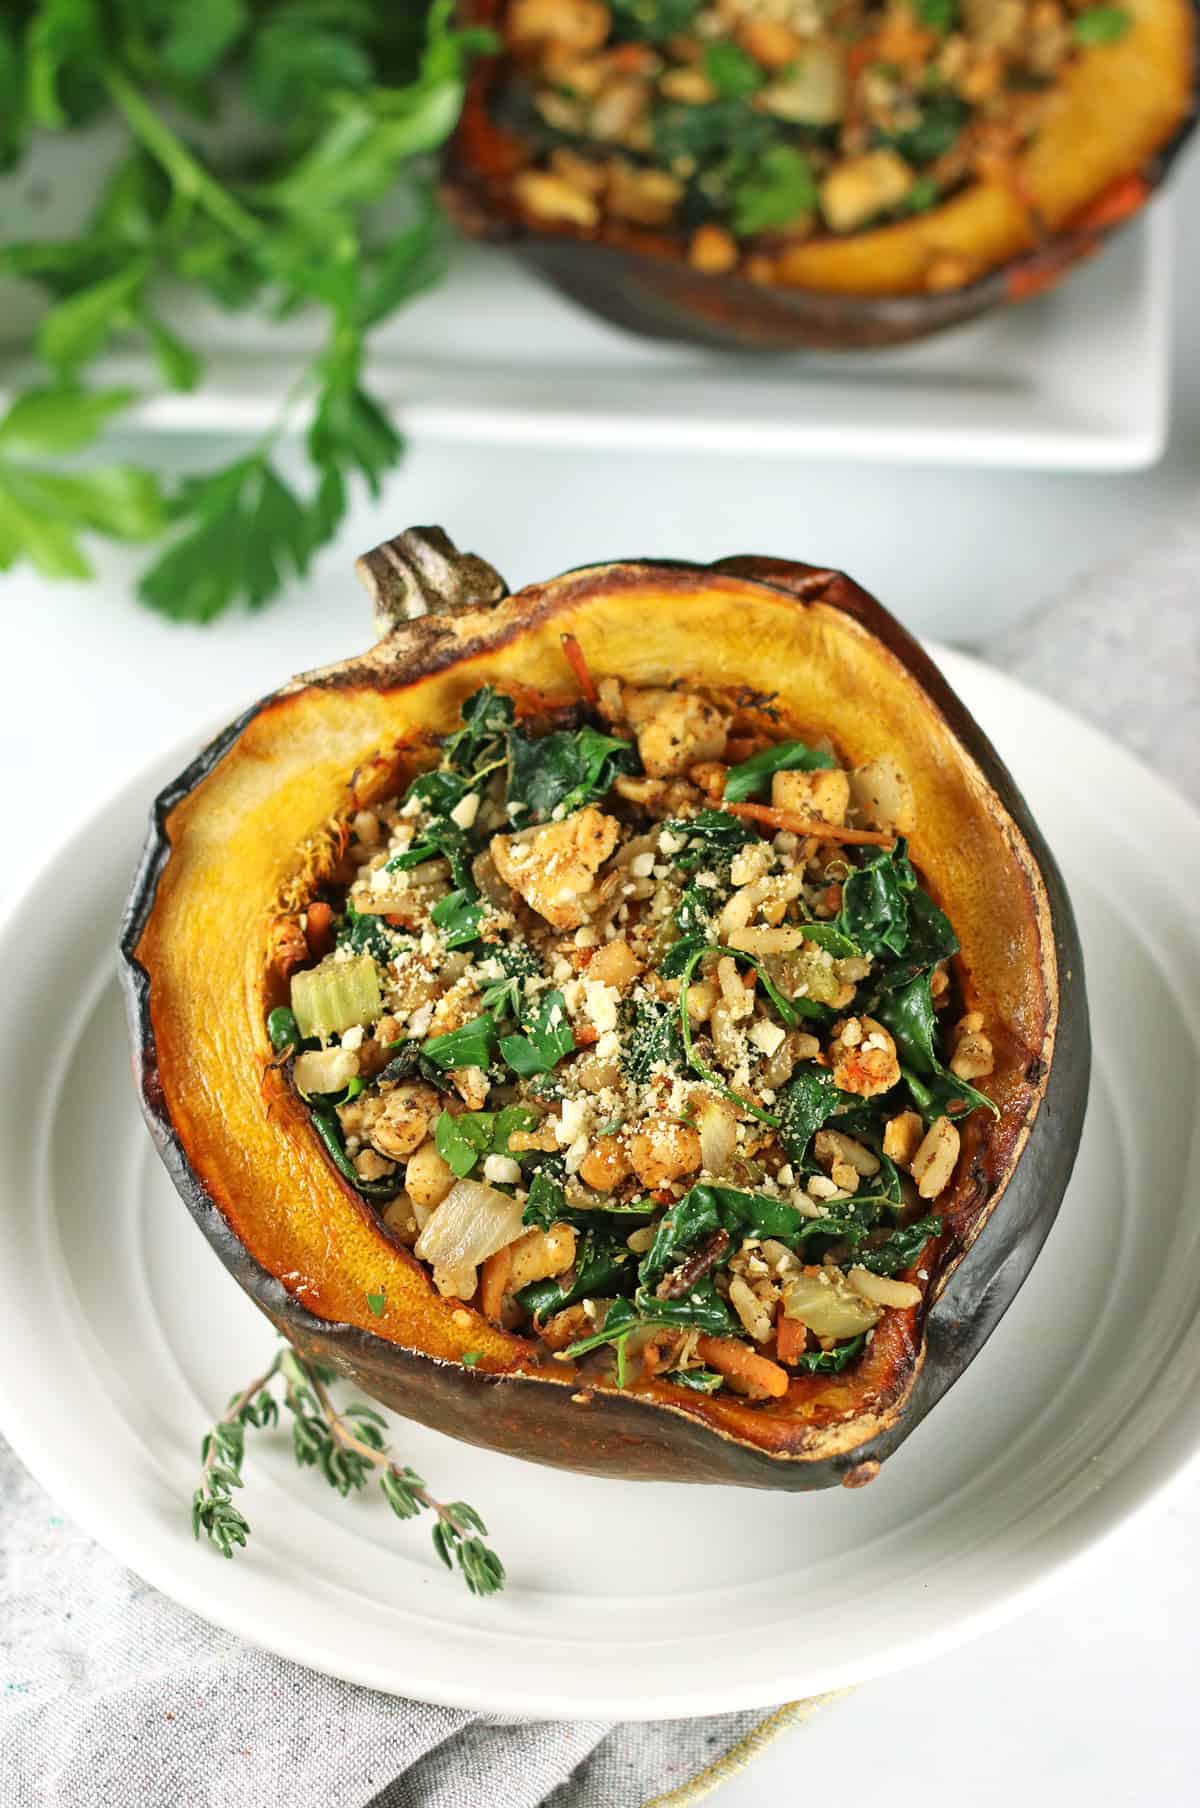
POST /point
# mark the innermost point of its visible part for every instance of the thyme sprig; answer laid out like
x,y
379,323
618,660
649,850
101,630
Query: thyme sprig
x,y
348,1446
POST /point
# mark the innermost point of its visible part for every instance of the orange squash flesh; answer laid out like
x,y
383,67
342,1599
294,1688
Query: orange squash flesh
x,y
240,1144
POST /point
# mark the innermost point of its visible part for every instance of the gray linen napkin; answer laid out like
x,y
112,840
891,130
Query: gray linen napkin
x,y
112,1697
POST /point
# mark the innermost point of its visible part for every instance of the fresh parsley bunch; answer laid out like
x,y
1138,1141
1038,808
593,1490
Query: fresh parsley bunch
x,y
347,99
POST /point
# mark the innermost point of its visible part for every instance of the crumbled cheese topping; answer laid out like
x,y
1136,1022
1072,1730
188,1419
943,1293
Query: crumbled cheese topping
x,y
466,810
600,1003
767,1035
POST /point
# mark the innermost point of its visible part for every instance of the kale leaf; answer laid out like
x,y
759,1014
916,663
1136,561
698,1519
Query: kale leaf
x,y
829,1362
805,1104
562,771
518,963
700,1309
442,840
874,913
712,838
458,916
603,1266
909,1015
653,20
701,1381
901,1248
370,935
650,1034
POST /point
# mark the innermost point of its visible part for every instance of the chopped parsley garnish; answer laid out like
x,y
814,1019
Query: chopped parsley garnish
x,y
545,1039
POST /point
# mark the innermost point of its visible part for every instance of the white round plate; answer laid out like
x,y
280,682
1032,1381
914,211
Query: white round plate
x,y
123,1335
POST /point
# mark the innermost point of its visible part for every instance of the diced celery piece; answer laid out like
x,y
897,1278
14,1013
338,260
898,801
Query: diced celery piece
x,y
336,995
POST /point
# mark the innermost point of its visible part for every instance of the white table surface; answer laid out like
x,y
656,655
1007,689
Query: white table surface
x,y
1091,1696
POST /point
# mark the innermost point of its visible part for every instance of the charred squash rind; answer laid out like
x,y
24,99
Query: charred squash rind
x,y
1128,109
249,1167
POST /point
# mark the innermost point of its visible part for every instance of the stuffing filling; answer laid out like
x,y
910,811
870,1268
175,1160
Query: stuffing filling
x,y
632,1019
746,126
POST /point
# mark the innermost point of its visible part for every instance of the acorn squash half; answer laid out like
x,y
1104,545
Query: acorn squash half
x,y
222,860
1122,112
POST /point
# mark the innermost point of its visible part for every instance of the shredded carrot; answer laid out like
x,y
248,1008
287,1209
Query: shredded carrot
x,y
790,1336
733,1360
497,1271
573,653
319,929
808,825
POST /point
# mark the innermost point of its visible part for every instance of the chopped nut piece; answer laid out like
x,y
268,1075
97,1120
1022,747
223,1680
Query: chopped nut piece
x,y
882,1290
574,24
675,729
902,1137
427,1178
933,1163
973,1058
857,189
370,1166
539,1254
831,1146
549,197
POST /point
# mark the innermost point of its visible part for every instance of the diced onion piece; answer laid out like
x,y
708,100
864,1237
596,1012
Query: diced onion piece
x,y
325,1070
828,1305
718,1126
472,1222
336,995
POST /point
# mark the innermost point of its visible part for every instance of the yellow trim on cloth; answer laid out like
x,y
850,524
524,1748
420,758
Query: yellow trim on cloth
x,y
792,1713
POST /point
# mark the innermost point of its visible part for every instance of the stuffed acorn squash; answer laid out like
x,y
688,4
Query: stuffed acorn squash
x,y
796,172
633,1024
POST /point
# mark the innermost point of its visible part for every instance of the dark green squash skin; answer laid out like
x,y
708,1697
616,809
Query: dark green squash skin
x,y
606,1432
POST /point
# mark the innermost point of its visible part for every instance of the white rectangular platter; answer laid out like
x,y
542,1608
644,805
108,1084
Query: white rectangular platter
x,y
1074,380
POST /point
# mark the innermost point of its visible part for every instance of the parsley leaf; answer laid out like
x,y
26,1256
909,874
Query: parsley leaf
x,y
731,71
547,1037
463,1141
248,530
470,1045
44,512
283,221
777,188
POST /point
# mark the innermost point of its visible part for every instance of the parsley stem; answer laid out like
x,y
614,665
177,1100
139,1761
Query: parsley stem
x,y
188,175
